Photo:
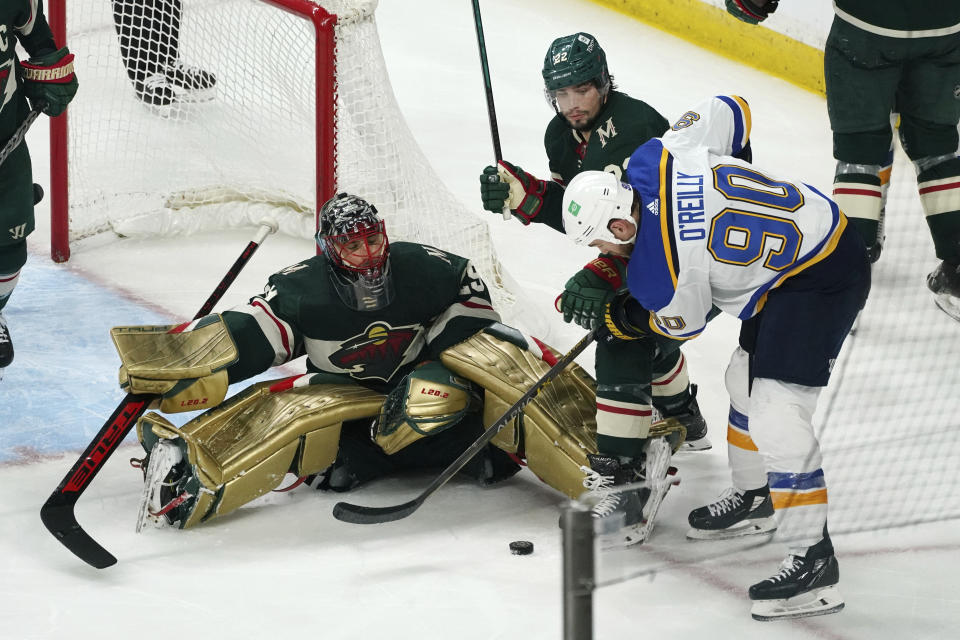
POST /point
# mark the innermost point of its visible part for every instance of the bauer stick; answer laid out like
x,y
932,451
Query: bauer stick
x,y
19,134
488,92
358,514
57,512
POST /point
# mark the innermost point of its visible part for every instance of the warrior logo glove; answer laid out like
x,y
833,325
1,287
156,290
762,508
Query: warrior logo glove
x,y
510,185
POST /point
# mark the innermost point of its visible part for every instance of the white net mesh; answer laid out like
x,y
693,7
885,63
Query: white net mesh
x,y
155,151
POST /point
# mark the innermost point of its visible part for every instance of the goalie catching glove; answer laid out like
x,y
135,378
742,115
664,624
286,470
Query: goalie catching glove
x,y
49,81
186,365
589,291
751,11
510,185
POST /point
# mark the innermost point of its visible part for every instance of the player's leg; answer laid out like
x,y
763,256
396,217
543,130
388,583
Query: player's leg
x,y
16,223
745,508
626,452
861,84
930,111
799,335
675,397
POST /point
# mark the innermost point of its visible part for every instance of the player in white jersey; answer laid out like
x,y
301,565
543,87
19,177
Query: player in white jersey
x,y
704,229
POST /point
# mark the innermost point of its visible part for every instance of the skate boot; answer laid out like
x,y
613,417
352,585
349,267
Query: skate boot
x,y
628,493
805,585
164,488
692,420
191,84
155,91
6,345
944,282
735,513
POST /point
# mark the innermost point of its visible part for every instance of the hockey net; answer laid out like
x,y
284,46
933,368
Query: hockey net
x,y
302,108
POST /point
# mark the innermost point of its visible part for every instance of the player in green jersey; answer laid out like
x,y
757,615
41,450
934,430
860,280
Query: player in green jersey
x,y
894,56
406,364
597,127
48,81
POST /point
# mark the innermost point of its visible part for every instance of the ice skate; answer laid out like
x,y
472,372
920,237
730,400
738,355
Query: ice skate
x,y
804,586
160,496
628,494
944,282
735,513
6,345
191,84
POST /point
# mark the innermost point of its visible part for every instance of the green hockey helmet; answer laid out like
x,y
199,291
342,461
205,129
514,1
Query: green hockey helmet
x,y
573,60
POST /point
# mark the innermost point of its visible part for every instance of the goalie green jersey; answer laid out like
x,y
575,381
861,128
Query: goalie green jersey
x,y
439,300
622,125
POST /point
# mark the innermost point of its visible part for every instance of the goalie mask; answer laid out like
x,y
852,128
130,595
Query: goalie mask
x,y
573,60
354,241
591,201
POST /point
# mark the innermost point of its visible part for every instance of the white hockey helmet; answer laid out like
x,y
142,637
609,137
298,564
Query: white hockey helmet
x,y
591,201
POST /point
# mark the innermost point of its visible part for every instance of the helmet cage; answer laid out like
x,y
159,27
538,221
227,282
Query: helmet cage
x,y
362,250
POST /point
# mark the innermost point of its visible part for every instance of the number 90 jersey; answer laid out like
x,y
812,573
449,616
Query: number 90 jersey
x,y
714,230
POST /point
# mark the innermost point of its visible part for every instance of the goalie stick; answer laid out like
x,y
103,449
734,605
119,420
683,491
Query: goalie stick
x,y
57,512
358,514
488,92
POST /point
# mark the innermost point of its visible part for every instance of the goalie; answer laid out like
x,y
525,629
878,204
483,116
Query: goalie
x,y
406,363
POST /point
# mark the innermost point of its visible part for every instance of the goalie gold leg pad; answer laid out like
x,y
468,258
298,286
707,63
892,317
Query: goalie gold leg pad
x,y
556,430
242,449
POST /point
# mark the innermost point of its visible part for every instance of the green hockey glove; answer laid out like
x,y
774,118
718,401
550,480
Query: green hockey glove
x,y
50,81
587,293
493,191
524,191
751,11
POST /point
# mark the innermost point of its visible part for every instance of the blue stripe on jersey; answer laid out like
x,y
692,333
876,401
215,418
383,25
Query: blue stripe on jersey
x,y
796,481
823,248
739,126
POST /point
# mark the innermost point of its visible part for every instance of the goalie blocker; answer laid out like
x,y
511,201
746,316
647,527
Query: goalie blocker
x,y
243,448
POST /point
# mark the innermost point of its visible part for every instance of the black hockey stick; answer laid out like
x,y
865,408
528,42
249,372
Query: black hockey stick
x,y
19,134
57,512
488,92
358,514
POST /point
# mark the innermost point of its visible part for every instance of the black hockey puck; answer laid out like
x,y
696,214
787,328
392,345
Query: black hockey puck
x,y
521,547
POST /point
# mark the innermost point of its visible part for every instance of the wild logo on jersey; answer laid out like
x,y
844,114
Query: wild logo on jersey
x,y
376,353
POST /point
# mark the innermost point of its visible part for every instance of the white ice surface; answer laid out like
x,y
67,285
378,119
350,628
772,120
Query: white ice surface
x,y
283,567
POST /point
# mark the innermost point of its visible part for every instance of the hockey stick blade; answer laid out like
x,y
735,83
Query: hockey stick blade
x,y
358,514
57,513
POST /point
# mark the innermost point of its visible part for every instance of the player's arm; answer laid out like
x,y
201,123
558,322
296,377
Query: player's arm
x,y
720,124
265,331
48,76
469,308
